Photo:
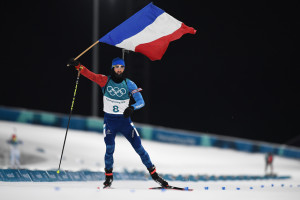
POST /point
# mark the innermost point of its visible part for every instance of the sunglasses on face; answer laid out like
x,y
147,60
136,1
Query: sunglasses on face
x,y
118,66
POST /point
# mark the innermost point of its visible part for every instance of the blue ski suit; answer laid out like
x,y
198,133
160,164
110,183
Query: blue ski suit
x,y
116,98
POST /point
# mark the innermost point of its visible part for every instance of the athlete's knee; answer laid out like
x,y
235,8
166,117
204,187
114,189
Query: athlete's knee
x,y
136,142
109,140
140,150
110,149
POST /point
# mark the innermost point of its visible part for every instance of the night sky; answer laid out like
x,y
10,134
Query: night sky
x,y
235,77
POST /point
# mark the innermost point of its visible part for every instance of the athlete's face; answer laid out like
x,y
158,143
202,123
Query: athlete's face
x,y
119,69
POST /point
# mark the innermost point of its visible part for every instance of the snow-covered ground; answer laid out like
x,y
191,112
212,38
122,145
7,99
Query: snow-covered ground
x,y
42,146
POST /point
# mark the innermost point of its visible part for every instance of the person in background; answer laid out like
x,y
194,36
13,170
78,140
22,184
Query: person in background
x,y
269,162
14,151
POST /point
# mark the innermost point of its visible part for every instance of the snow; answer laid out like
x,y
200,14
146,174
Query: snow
x,y
42,146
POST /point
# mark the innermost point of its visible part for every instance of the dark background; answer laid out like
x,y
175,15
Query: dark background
x,y
235,77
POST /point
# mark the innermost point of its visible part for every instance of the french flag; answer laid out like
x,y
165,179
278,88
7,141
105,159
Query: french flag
x,y
149,31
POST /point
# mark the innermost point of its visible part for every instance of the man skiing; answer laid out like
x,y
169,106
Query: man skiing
x,y
116,91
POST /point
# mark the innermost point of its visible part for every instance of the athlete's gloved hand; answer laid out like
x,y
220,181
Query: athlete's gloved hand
x,y
73,63
128,111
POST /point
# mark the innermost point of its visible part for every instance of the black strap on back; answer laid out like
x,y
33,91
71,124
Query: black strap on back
x,y
127,87
106,85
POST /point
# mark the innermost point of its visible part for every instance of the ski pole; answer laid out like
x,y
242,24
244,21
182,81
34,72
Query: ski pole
x,y
77,81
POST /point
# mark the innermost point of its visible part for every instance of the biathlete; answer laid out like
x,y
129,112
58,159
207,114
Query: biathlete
x,y
116,91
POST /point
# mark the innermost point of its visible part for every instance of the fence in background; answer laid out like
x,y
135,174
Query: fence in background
x,y
24,175
148,132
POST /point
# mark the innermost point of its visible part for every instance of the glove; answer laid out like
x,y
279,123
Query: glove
x,y
128,112
73,63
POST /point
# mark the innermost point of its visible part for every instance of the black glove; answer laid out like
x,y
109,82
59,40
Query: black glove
x,y
73,63
128,111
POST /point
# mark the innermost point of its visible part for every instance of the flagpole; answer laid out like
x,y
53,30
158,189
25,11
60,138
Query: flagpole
x,y
86,50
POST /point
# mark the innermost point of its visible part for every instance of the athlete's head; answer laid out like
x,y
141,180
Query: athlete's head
x,y
117,61
118,67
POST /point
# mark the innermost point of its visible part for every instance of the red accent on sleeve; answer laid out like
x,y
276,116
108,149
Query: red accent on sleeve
x,y
100,79
136,90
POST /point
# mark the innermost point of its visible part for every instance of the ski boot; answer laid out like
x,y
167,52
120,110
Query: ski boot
x,y
108,178
157,178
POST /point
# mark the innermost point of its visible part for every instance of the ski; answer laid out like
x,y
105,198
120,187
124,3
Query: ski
x,y
107,187
171,188
158,188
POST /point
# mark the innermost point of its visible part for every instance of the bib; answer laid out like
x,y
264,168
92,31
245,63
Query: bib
x,y
116,97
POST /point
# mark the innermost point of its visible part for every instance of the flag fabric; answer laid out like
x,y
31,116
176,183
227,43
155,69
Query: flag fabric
x,y
149,31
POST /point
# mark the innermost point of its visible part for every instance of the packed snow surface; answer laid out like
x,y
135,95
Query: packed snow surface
x,y
41,150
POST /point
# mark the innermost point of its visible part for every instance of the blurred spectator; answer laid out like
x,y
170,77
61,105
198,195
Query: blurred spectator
x,y
14,152
269,162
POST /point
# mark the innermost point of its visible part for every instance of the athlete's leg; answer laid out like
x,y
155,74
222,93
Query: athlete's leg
x,y
271,166
132,135
109,139
12,159
17,158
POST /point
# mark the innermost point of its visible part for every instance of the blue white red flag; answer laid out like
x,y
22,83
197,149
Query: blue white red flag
x,y
149,31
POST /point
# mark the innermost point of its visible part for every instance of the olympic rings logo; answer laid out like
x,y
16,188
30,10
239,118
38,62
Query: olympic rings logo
x,y
116,91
